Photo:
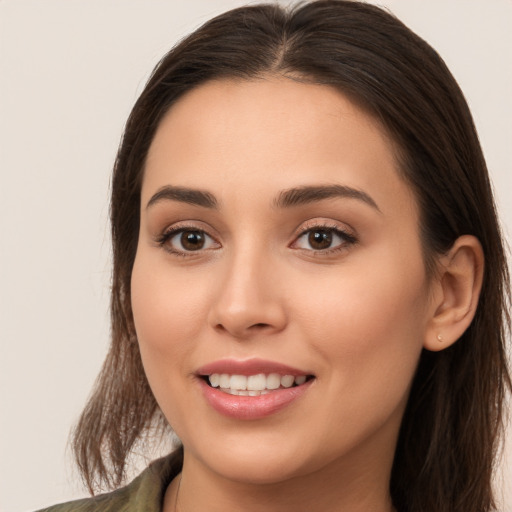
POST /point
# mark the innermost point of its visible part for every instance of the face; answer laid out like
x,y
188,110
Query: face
x,y
278,239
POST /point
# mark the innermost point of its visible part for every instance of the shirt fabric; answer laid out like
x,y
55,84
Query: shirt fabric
x,y
144,494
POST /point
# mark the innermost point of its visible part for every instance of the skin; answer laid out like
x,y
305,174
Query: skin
x,y
356,315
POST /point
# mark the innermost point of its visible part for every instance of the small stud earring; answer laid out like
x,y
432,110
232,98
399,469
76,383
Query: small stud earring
x,y
439,338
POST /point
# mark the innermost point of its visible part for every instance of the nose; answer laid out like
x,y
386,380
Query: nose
x,y
249,298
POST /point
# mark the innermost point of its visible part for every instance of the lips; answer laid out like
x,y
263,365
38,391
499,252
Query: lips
x,y
252,389
249,367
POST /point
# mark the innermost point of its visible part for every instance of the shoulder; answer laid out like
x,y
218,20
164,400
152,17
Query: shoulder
x,y
103,503
146,492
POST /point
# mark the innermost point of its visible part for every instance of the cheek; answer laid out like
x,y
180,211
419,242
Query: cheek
x,y
369,326
169,311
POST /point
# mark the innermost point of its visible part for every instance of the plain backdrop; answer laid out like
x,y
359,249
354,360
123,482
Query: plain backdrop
x,y
70,70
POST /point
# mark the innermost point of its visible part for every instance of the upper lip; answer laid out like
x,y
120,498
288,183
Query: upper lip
x,y
249,367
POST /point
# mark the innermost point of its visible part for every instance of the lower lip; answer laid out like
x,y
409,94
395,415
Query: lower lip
x,y
252,407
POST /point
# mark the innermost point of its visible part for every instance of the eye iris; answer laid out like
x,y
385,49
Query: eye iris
x,y
320,239
192,240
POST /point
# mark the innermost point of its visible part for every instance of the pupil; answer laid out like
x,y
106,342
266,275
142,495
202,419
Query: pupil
x,y
320,239
192,240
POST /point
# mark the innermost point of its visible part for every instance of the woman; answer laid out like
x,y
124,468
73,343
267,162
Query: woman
x,y
309,280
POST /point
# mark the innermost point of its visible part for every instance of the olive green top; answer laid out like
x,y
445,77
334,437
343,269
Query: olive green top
x,y
144,494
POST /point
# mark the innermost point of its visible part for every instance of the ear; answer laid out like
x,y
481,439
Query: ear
x,y
455,295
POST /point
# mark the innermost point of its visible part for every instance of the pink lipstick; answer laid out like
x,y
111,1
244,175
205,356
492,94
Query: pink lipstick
x,y
252,389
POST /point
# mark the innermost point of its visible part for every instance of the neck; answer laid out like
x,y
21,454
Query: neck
x,y
334,488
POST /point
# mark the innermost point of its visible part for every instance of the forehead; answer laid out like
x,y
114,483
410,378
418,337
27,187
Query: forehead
x,y
264,135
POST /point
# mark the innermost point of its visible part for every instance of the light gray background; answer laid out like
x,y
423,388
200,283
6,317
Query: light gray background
x,y
70,70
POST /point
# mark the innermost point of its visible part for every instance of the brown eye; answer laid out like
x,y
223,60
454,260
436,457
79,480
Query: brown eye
x,y
319,239
324,239
184,241
192,240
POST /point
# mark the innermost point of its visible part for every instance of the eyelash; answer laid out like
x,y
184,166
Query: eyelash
x,y
347,239
170,233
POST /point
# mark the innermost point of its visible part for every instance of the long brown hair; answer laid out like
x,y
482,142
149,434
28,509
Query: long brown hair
x,y
451,428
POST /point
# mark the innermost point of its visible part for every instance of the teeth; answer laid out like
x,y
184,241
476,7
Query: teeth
x,y
300,380
256,382
244,392
273,381
238,382
214,380
253,385
224,380
287,381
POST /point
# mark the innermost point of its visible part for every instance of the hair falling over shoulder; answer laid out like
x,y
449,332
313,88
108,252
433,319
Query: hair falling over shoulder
x,y
451,431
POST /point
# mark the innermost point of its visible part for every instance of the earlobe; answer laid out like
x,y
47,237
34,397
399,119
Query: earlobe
x,y
455,299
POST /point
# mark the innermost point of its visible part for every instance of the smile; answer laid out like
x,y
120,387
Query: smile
x,y
252,389
254,385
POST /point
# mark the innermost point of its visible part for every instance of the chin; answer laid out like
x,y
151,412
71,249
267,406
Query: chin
x,y
256,471
260,460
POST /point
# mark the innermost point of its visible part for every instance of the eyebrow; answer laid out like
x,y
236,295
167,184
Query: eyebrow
x,y
286,199
310,194
184,195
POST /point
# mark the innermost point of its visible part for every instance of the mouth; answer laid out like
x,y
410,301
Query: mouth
x,y
252,389
254,385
